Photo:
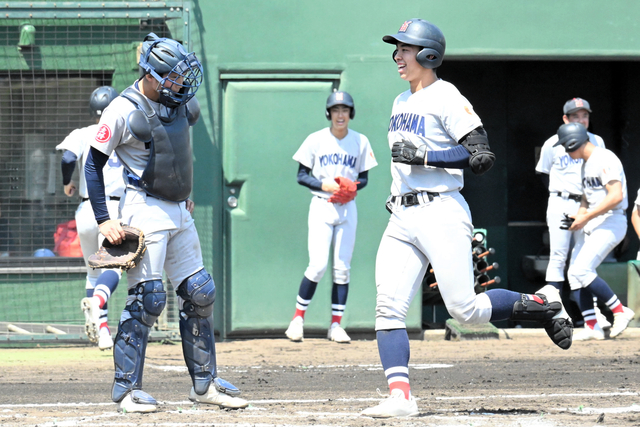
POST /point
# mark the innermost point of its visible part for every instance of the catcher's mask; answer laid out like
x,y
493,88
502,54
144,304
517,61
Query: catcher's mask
x,y
171,65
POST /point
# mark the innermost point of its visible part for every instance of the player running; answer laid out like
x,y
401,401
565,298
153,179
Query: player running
x,y
601,223
325,157
433,134
562,175
148,127
100,283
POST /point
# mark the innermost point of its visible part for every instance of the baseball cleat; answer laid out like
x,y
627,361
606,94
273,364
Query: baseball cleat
x,y
602,320
559,328
586,334
621,321
214,397
105,342
137,401
295,331
339,335
91,309
394,406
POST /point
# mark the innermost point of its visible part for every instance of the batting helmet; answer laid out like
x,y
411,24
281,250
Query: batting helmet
x,y
572,136
419,32
168,61
100,99
340,98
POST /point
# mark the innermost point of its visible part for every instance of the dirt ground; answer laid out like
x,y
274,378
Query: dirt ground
x,y
521,379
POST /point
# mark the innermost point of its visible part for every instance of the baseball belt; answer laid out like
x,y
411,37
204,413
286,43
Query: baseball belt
x,y
575,197
85,199
409,199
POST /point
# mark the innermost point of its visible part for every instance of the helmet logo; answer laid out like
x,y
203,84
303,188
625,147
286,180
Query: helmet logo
x,y
404,26
339,96
104,134
579,102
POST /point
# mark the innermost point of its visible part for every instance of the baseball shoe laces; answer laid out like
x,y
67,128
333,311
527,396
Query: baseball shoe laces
x,y
91,309
215,397
621,321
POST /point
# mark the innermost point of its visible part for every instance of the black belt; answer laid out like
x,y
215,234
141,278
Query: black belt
x,y
84,199
576,197
412,199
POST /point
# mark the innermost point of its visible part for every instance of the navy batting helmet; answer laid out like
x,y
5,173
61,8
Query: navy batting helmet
x,y
572,136
168,61
100,99
340,98
419,32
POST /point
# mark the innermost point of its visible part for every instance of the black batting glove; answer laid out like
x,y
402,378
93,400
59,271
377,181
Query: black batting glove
x,y
405,152
566,222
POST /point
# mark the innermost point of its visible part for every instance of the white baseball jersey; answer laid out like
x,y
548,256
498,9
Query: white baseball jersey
x,y
329,157
603,167
564,172
78,142
438,116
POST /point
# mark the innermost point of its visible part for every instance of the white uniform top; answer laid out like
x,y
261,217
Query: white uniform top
x,y
329,157
113,133
603,167
564,172
78,142
438,116
637,202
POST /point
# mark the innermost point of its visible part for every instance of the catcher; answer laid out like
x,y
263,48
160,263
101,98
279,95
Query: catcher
x,y
330,161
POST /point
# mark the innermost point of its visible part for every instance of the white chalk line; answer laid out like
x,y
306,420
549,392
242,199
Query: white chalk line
x,y
376,367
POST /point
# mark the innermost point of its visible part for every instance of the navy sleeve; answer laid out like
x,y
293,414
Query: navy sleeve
x,y
69,160
456,157
544,177
307,180
95,184
363,177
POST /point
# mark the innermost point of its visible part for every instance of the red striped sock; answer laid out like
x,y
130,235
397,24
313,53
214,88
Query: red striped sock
x,y
591,323
618,308
101,299
336,319
299,313
405,387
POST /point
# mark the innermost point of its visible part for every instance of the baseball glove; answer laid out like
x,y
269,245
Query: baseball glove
x,y
566,222
124,256
346,193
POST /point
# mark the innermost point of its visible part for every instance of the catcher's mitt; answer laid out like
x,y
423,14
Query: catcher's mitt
x,y
124,256
346,193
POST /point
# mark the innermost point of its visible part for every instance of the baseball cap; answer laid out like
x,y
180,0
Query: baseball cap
x,y
575,104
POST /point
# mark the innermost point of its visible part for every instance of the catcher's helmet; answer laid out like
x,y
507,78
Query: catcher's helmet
x,y
419,32
168,61
340,98
100,99
572,136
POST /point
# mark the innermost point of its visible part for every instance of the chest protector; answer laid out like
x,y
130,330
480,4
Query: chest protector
x,y
169,171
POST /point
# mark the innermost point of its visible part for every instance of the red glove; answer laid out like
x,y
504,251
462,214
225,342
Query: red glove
x,y
346,193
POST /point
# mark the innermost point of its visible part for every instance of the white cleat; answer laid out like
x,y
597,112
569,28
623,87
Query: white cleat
x,y
621,321
105,342
91,309
137,401
394,406
586,333
602,320
295,331
214,397
337,334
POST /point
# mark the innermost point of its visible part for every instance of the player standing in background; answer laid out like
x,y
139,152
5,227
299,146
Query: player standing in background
x,y
433,133
601,223
76,146
148,127
324,156
635,220
562,175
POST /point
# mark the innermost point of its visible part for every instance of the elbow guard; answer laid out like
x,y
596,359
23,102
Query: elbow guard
x,y
481,158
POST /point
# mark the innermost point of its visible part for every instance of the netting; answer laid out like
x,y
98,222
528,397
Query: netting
x,y
48,69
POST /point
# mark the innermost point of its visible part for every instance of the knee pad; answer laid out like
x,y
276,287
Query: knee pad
x,y
198,293
149,303
536,309
129,349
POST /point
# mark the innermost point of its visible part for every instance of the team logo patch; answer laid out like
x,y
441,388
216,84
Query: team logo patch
x,y
104,134
339,96
404,26
579,102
